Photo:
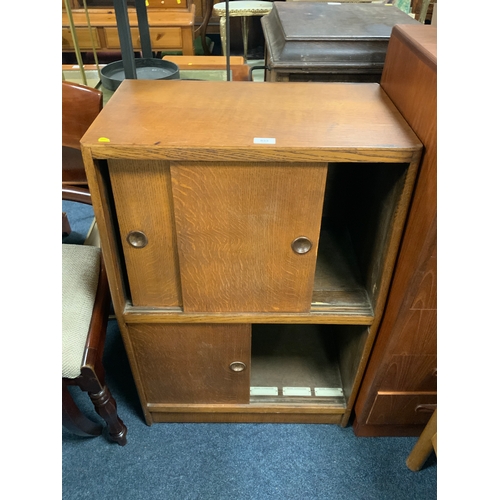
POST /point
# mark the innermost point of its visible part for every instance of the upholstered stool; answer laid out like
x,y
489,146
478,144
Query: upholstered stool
x,y
85,309
244,9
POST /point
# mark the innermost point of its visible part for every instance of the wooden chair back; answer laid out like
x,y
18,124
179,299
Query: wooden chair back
x,y
80,107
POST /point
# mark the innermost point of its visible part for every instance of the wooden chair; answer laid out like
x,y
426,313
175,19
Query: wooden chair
x,y
80,107
86,303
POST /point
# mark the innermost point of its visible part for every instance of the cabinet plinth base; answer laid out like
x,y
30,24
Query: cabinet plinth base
x,y
165,415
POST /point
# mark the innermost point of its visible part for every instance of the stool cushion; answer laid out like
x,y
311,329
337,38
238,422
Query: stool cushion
x,y
80,275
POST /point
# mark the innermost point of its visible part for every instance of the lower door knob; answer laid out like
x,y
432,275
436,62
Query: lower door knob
x,y
237,366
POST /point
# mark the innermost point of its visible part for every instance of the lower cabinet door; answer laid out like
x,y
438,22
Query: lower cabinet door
x,y
193,364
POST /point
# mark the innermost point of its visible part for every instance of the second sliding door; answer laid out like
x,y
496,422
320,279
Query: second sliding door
x,y
247,234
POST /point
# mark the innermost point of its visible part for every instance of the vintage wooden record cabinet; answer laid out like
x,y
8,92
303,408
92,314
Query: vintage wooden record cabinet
x,y
250,236
316,41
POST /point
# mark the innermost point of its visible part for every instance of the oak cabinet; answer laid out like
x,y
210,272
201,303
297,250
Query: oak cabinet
x,y
250,241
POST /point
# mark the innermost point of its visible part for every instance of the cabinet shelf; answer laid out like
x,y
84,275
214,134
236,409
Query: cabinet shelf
x,y
299,362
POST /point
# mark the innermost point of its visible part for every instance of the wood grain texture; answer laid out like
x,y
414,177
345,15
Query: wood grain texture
x,y
160,38
107,17
143,200
392,408
266,415
190,363
409,327
204,62
171,29
235,227
308,121
318,314
411,373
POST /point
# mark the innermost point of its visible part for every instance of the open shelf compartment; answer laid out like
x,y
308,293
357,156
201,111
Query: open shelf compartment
x,y
305,364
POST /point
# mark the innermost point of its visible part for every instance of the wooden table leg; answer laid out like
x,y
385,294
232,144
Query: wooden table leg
x,y
424,445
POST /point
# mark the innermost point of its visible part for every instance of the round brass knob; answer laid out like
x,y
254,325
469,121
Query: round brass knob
x,y
137,239
301,245
237,366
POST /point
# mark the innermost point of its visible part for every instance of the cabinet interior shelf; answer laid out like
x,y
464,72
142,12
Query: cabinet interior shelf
x,y
295,364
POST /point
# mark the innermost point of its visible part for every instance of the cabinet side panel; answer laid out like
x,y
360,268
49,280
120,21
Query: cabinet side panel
x,y
235,227
142,194
190,364
404,355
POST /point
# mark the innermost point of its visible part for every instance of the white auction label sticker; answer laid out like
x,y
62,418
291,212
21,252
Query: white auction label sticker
x,y
264,140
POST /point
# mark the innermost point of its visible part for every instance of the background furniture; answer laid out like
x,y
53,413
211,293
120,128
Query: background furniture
x,y
427,442
86,302
239,70
314,41
80,106
399,390
170,29
249,267
203,11
243,9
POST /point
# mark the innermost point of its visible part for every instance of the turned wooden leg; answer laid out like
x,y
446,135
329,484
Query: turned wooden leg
x,y
424,446
105,406
74,420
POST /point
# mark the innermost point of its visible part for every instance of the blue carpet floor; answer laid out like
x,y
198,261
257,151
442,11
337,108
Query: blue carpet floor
x,y
228,461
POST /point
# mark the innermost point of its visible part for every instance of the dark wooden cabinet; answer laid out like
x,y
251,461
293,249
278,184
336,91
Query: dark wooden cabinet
x,y
249,241
399,390
328,42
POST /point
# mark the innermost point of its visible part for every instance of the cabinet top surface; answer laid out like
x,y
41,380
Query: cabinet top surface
x,y
422,38
188,119
319,20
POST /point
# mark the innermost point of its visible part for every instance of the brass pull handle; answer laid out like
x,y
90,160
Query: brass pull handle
x,y
137,239
301,245
237,366
425,408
